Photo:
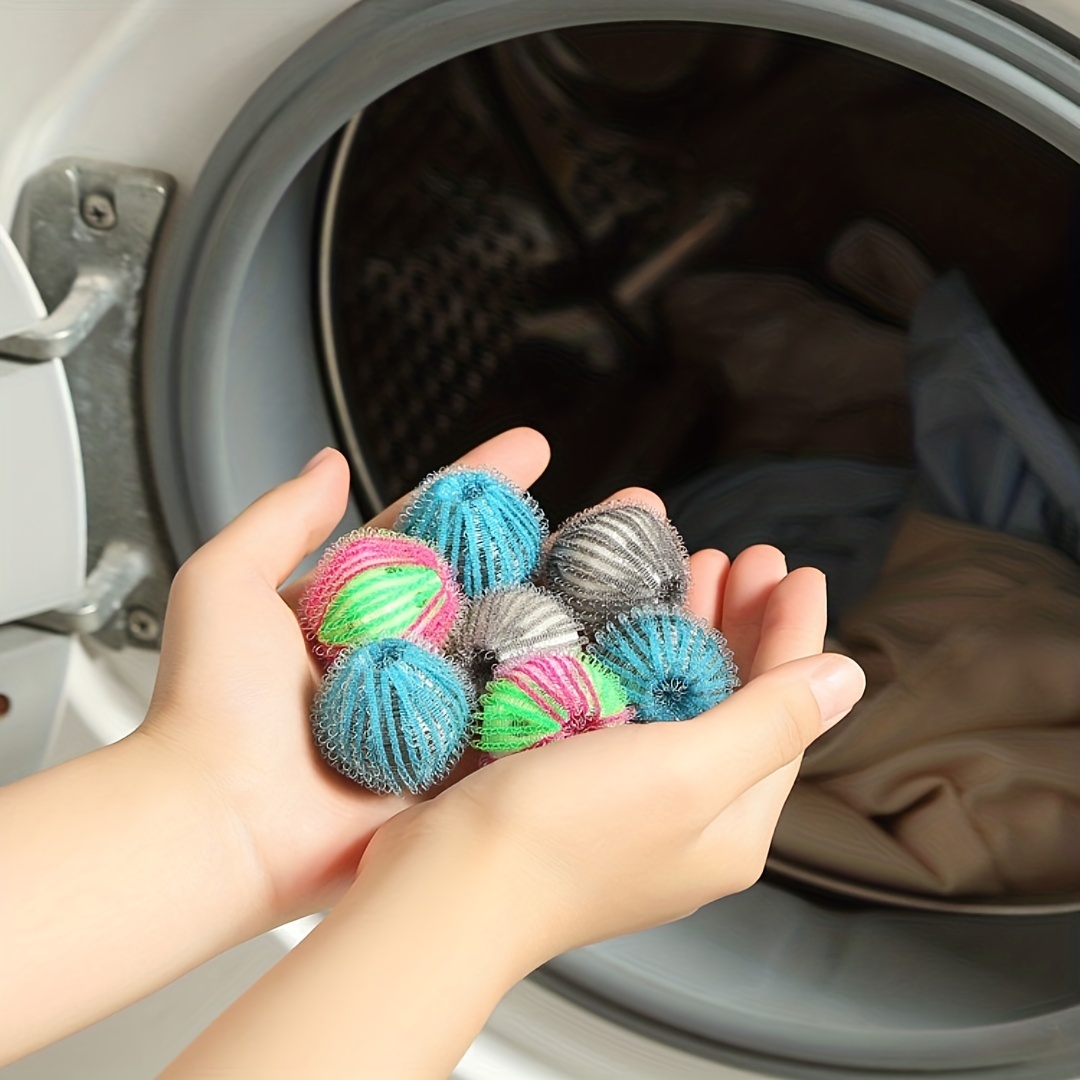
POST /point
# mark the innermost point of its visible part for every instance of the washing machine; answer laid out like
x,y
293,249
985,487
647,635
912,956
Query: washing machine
x,y
238,231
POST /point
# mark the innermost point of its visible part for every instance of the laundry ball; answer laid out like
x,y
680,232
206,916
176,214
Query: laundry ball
x,y
513,623
392,715
373,584
613,558
539,699
672,665
487,528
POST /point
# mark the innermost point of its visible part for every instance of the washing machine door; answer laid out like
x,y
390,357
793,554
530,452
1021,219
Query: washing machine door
x,y
777,981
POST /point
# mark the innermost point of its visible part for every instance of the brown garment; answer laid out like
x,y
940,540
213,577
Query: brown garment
x,y
801,372
879,266
959,772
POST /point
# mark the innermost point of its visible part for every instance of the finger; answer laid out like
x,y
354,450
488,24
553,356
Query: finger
x,y
277,531
708,569
750,582
520,454
793,627
793,623
766,725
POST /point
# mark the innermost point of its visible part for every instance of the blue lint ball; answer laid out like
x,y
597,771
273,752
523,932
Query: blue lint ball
x,y
489,530
392,716
672,665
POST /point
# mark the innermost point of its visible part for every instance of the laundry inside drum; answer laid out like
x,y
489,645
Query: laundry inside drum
x,y
817,301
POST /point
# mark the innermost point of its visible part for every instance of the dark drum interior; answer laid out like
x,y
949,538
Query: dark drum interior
x,y
493,212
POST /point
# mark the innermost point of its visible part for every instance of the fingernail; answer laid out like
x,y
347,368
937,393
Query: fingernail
x,y
836,685
320,456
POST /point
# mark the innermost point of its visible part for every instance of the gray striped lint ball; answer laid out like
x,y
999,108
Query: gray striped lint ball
x,y
513,623
614,558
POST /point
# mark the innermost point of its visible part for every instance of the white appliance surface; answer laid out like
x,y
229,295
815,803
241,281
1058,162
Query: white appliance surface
x,y
20,302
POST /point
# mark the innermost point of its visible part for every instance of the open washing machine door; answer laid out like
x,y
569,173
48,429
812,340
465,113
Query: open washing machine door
x,y
226,391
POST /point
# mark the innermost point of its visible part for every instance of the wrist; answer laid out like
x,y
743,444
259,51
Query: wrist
x,y
468,882
129,877
397,980
215,835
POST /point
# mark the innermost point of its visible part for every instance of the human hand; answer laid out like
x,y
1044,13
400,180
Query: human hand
x,y
236,682
617,830
565,844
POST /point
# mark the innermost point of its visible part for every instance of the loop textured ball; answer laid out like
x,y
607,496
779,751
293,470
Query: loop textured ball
x,y
673,665
392,716
512,623
374,584
613,558
489,530
542,698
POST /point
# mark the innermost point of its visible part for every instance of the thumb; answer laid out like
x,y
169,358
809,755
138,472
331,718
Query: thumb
x,y
286,524
772,720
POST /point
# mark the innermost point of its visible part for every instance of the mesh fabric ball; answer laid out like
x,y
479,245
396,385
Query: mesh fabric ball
x,y
392,716
489,530
513,623
613,558
673,665
539,699
374,584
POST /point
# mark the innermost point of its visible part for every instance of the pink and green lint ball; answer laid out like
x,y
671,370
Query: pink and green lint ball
x,y
374,584
543,698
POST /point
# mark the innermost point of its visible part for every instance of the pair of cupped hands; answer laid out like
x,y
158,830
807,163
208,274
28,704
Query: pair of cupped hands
x,y
590,837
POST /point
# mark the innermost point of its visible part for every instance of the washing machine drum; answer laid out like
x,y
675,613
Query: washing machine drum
x,y
439,220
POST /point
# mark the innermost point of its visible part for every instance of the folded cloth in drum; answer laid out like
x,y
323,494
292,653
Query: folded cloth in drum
x,y
801,371
959,772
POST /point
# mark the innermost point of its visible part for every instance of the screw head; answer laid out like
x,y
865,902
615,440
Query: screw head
x,y
143,626
98,211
